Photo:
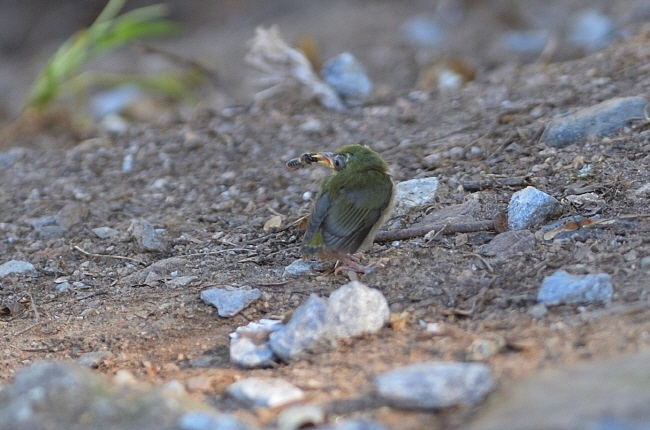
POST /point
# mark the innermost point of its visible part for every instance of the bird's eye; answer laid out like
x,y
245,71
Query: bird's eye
x,y
339,162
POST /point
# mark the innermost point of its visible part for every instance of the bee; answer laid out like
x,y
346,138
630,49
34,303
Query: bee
x,y
302,161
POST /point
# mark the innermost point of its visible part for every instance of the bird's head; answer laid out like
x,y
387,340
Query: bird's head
x,y
352,158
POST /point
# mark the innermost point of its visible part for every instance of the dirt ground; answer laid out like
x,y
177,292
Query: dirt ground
x,y
211,179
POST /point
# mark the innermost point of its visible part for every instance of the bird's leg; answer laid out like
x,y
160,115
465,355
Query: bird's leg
x,y
350,262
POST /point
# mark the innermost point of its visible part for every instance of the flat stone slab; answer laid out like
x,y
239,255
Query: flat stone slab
x,y
603,119
612,394
563,288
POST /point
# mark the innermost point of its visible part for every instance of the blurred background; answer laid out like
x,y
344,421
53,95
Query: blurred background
x,y
402,45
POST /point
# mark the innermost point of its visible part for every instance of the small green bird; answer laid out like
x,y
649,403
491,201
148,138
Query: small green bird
x,y
351,204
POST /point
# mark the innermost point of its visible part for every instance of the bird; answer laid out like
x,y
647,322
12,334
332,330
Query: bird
x,y
351,204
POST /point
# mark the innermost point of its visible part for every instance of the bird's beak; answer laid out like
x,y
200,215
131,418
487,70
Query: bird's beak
x,y
326,158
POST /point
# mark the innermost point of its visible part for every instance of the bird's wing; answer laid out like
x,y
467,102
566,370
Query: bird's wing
x,y
343,222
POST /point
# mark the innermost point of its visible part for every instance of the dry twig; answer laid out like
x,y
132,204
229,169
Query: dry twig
x,y
498,224
118,257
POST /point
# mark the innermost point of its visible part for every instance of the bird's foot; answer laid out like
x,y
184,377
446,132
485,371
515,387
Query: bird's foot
x,y
349,264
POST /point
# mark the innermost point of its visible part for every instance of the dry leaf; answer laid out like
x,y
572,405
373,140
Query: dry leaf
x,y
273,224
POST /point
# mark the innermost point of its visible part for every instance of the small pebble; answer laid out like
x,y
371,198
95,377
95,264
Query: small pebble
x,y
114,100
93,359
422,31
62,287
249,346
510,243
265,392
591,30
71,214
300,417
17,268
355,309
105,232
645,262
306,328
435,385
564,288
115,124
230,301
300,267
247,353
6,160
530,207
348,77
51,231
482,349
145,235
527,43
179,281
37,223
312,125
537,311
603,119
127,163
198,383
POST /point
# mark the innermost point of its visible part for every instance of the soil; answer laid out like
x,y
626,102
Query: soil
x,y
210,180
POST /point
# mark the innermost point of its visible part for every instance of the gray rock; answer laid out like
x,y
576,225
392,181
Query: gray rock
x,y
145,235
312,125
509,243
105,232
159,270
93,359
249,346
6,160
230,301
179,281
209,421
300,267
435,385
538,310
51,231
16,267
249,354
423,31
37,223
305,331
413,194
71,214
603,119
564,288
127,163
530,207
265,392
114,124
63,287
645,262
115,100
591,30
348,77
355,309
50,395
528,42
587,396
